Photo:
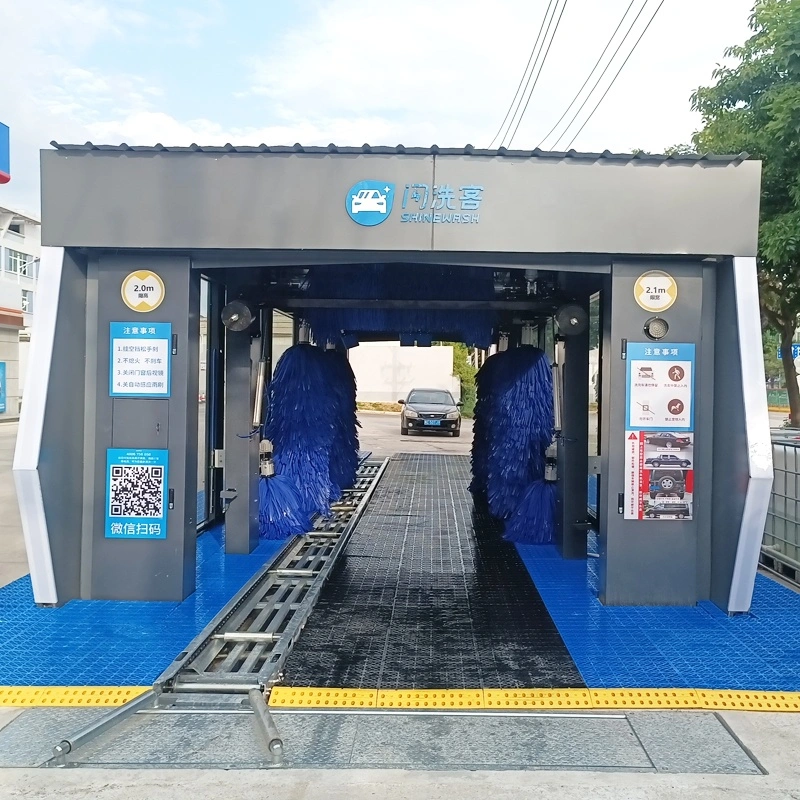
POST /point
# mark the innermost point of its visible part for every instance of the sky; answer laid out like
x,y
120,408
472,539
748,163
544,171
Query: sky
x,y
417,72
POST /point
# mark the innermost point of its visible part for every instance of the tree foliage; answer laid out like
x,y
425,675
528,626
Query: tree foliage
x,y
465,372
753,106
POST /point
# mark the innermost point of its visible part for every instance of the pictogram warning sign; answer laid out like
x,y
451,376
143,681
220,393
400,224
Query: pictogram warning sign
x,y
655,291
143,291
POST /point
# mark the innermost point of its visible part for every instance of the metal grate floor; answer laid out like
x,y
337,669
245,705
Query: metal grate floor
x,y
227,737
428,595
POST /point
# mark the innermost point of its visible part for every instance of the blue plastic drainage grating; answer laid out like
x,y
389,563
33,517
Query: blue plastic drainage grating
x,y
113,643
698,648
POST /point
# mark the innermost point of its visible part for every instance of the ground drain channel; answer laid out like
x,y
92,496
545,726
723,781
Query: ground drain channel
x,y
241,652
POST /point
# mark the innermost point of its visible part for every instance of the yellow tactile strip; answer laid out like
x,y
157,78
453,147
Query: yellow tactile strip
x,y
431,698
533,699
30,696
749,701
537,698
453,699
310,697
644,698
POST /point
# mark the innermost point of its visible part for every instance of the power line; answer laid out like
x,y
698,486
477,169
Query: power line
x,y
641,35
589,76
541,67
524,73
602,74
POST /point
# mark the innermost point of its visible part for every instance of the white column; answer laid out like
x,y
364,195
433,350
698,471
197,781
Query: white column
x,y
759,444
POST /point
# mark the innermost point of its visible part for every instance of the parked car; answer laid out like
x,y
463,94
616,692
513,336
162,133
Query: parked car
x,y
430,410
666,509
668,460
668,440
666,481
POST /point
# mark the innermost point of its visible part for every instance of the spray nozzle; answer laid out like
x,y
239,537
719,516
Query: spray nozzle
x,y
266,465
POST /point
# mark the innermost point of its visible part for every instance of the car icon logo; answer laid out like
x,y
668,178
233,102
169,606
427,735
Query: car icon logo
x,y
369,203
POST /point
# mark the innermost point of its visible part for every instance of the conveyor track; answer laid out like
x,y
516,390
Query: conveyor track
x,y
246,644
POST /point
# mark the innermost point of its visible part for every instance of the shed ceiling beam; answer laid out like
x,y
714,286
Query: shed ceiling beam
x,y
448,305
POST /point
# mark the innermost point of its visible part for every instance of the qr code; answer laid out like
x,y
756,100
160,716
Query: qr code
x,y
137,492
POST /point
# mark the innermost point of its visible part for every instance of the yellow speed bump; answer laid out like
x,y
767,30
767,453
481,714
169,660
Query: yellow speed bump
x,y
310,697
32,696
431,698
644,698
749,701
537,698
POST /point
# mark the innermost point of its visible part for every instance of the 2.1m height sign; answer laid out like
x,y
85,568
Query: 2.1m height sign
x,y
659,431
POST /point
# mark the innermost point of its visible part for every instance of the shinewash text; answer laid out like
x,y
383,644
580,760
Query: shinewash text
x,y
437,204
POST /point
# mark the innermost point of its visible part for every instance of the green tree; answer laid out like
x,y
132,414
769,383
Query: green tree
x,y
465,372
754,107
773,368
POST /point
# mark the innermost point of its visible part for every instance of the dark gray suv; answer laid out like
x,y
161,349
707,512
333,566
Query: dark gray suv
x,y
668,509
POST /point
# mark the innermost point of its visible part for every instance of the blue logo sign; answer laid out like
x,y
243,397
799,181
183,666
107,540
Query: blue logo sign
x,y
369,203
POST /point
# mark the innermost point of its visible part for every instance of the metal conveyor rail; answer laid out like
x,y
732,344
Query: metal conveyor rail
x,y
246,645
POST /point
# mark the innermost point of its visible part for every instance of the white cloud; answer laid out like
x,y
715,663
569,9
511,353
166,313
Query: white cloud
x,y
448,70
46,92
416,72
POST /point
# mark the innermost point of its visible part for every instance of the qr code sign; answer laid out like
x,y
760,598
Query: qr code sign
x,y
137,492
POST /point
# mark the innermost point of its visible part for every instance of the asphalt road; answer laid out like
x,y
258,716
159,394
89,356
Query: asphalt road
x,y
380,433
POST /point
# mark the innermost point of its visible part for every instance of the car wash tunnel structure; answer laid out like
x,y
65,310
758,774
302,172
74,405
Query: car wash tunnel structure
x,y
405,581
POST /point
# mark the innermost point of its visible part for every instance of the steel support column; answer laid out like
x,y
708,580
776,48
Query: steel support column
x,y
572,448
241,452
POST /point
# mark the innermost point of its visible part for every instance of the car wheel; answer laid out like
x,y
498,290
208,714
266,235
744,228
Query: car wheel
x,y
669,445
650,515
403,431
681,516
656,463
667,484
685,464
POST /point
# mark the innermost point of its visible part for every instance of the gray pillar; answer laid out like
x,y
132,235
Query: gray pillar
x,y
241,453
572,450
141,568
651,562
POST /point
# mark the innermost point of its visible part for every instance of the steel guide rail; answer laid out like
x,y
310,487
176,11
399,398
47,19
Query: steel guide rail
x,y
246,645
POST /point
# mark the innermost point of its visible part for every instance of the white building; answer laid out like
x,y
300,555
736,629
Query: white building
x,y
386,372
19,269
